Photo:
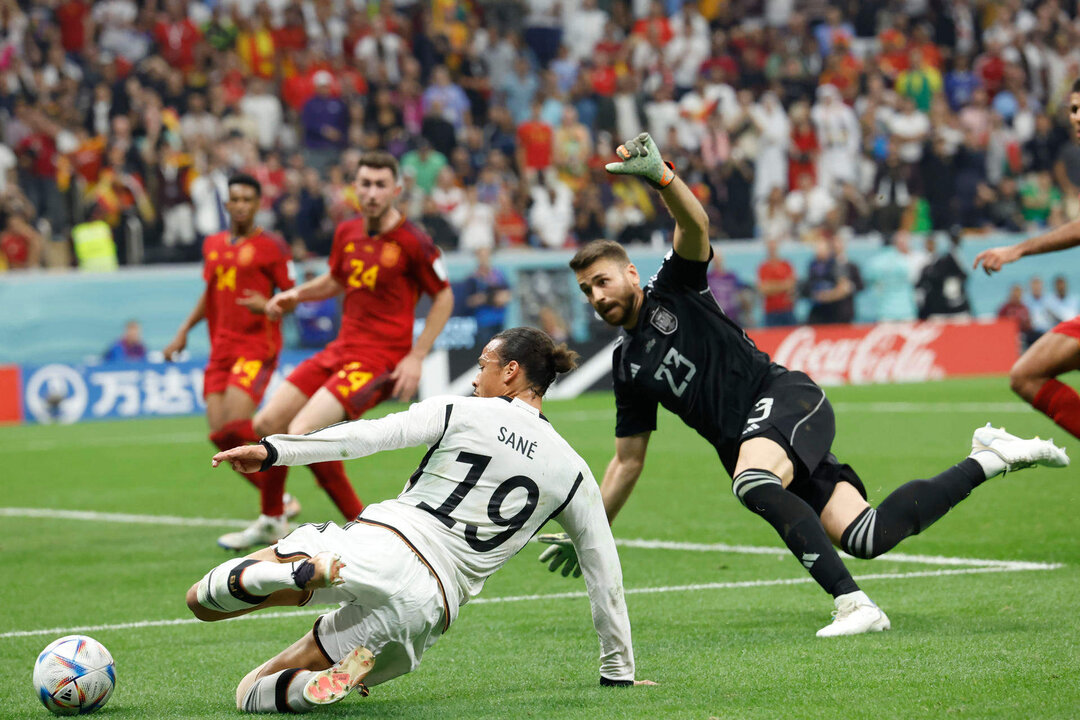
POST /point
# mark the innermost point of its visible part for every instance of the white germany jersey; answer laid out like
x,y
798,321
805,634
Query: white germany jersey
x,y
495,472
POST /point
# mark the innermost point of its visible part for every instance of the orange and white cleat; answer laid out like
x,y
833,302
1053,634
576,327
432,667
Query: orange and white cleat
x,y
332,685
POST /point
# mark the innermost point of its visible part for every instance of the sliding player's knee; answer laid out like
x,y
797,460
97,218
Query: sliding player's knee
x,y
200,612
865,537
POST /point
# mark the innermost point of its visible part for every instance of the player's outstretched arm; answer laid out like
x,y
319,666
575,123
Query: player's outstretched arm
x,y
244,459
406,375
1062,238
586,524
623,472
320,288
179,342
641,157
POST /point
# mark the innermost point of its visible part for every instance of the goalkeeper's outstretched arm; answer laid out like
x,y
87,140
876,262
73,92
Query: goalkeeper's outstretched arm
x,y
641,157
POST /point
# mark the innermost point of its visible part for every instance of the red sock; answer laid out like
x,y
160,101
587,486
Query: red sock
x,y
1061,404
242,429
332,478
230,436
272,491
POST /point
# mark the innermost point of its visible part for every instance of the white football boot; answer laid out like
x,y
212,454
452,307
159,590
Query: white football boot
x,y
264,531
292,506
1017,453
333,684
855,614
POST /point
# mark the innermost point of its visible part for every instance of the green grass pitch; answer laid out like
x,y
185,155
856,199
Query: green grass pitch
x,y
721,631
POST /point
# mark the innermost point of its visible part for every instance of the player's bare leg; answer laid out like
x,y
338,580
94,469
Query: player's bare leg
x,y
260,580
279,411
301,678
763,471
321,410
1034,378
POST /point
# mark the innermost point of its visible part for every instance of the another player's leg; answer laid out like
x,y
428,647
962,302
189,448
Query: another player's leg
x,y
867,532
762,474
262,579
272,523
1034,376
324,408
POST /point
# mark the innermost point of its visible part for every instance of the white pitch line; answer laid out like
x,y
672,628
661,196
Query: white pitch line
x,y
638,543
120,517
534,598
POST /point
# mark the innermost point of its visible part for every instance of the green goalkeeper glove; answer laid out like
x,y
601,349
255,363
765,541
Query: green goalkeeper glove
x,y
561,552
641,157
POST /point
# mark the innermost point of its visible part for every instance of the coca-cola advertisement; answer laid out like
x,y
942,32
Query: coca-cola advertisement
x,y
892,352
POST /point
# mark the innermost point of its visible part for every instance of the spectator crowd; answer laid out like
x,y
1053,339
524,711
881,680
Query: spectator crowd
x,y
791,120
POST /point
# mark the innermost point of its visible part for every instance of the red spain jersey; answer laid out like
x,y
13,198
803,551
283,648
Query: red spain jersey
x,y
383,276
260,263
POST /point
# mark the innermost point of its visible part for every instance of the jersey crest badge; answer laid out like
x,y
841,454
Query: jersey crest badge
x,y
664,320
390,254
247,254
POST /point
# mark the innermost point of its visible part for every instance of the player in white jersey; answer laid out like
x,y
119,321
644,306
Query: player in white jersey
x,y
495,472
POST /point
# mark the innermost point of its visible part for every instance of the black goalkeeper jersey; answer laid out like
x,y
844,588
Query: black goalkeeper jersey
x,y
688,356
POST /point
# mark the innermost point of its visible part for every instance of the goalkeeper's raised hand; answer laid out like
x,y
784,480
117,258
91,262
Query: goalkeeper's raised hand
x,y
641,157
561,552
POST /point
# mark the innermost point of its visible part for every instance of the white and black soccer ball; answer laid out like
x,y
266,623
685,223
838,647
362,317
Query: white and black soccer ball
x,y
74,675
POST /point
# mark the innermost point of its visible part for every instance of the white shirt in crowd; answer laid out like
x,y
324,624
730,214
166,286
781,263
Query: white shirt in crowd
x,y
911,129
266,112
495,473
551,218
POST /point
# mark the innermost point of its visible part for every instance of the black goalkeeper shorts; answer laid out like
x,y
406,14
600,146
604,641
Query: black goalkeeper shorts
x,y
793,411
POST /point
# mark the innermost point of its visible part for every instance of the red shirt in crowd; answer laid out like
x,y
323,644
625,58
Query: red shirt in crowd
x,y
383,276
71,16
258,263
177,42
803,143
773,270
537,141
41,149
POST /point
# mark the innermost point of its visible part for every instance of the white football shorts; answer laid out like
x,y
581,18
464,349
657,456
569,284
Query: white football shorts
x,y
391,603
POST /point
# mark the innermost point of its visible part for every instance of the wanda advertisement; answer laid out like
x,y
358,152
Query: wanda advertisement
x,y
892,352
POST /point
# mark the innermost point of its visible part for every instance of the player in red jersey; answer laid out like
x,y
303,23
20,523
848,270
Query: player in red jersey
x,y
1034,376
382,262
241,267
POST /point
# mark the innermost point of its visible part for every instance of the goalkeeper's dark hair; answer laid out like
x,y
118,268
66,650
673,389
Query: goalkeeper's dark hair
x,y
246,180
599,250
1076,86
537,354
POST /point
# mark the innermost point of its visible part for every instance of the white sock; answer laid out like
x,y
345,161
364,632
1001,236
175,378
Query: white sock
x,y
990,462
858,596
263,694
243,583
263,578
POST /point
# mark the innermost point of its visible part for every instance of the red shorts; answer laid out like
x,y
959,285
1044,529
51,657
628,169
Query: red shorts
x,y
1069,327
249,374
359,379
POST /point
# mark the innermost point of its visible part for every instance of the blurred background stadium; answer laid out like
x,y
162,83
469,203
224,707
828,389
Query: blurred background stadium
x,y
853,158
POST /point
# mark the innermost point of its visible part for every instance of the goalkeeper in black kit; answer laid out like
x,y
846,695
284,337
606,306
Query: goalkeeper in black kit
x,y
773,428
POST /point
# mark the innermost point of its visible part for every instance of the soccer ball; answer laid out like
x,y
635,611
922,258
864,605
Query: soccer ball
x,y
74,675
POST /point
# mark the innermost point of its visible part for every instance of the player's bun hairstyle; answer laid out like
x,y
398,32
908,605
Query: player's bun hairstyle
x,y
599,250
537,354
380,160
245,179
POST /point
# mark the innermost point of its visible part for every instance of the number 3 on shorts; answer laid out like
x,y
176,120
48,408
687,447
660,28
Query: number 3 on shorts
x,y
762,408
